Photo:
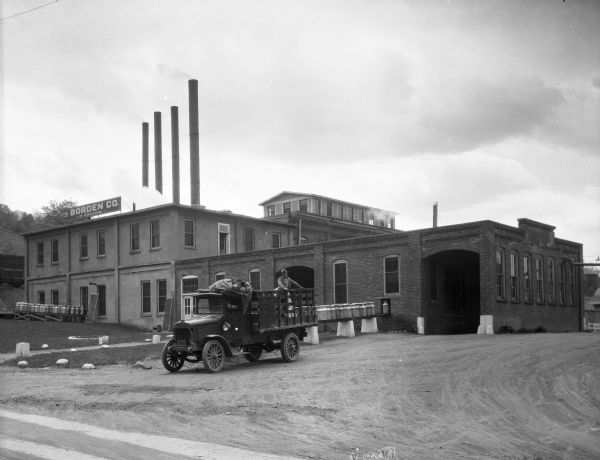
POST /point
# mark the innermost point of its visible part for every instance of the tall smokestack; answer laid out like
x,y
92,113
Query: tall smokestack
x,y
175,150
158,151
435,214
194,144
145,129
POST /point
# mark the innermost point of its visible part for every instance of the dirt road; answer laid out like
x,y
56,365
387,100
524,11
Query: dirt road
x,y
531,396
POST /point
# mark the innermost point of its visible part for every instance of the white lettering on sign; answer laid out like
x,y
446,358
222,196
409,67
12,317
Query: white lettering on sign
x,y
110,205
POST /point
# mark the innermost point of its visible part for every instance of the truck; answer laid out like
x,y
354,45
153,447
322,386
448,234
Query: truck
x,y
225,325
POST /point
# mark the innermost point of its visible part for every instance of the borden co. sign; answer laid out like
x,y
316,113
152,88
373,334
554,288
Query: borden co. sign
x,y
99,207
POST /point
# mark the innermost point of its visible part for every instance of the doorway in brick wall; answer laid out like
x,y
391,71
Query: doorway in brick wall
x,y
451,292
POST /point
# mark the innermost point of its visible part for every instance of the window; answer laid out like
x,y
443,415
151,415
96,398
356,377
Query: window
x,y
317,209
303,205
161,294
54,251
189,284
101,300
562,282
146,300
223,239
287,207
40,253
371,219
270,210
219,276
249,239
539,280
188,233
571,278
54,296
154,235
500,287
551,281
134,237
83,296
276,240
41,297
513,267
83,246
361,215
433,280
391,275
101,243
527,278
329,209
340,282
254,276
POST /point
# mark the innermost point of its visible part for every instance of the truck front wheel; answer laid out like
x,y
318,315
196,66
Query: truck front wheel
x,y
171,359
213,356
290,347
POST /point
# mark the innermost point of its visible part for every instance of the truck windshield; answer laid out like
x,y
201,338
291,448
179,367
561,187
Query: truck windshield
x,y
209,306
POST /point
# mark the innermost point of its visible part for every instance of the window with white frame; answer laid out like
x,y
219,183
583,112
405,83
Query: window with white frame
x,y
287,207
276,240
303,205
500,283
189,284
54,251
161,296
101,300
527,278
134,237
41,296
188,233
101,240
270,211
340,282
571,278
249,239
539,280
254,277
83,296
146,298
155,234
562,282
40,253
391,270
224,239
513,270
54,296
83,246
551,280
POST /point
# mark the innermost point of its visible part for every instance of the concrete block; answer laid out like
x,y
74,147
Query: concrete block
x,y
489,330
489,324
481,329
420,325
369,326
156,338
312,335
102,340
345,328
23,350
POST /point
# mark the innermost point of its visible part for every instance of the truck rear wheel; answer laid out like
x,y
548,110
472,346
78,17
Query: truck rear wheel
x,y
290,347
213,356
171,359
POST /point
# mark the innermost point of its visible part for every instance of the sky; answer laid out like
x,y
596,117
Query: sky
x,y
489,108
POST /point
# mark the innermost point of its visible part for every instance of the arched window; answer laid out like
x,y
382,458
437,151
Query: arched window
x,y
539,279
340,282
551,281
527,278
513,270
391,275
500,280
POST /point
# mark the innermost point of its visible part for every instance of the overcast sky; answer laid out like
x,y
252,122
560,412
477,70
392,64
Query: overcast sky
x,y
491,108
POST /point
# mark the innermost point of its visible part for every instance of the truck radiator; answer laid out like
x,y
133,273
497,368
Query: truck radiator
x,y
182,336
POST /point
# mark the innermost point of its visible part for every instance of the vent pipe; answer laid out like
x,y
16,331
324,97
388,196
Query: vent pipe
x,y
158,152
194,143
145,129
435,214
175,151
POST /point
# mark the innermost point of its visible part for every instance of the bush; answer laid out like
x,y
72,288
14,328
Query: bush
x,y
505,329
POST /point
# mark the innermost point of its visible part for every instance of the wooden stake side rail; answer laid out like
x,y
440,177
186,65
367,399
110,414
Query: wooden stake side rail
x,y
47,312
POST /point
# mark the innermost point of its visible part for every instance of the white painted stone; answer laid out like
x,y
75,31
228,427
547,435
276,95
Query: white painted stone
x,y
420,325
88,366
369,326
345,328
45,345
156,338
103,340
312,335
73,349
104,346
23,350
22,364
62,362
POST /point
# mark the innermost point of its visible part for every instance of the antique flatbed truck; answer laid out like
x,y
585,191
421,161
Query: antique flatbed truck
x,y
224,326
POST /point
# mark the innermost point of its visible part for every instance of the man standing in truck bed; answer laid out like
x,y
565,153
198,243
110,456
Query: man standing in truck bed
x,y
285,282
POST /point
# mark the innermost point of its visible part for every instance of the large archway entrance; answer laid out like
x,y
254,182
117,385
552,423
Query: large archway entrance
x,y
451,296
304,276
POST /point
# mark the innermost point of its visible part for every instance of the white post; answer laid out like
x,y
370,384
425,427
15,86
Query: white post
x,y
345,328
156,338
23,350
489,324
312,335
369,325
420,325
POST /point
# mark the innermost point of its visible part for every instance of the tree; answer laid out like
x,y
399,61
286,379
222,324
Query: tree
x,y
56,212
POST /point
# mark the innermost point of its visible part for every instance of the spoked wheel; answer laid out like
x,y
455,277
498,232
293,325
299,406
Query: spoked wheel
x,y
171,359
213,356
290,347
253,354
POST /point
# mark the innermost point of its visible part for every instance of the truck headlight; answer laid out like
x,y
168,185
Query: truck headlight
x,y
226,327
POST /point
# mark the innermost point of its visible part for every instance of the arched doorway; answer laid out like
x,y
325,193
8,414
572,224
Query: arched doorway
x,y
451,292
304,276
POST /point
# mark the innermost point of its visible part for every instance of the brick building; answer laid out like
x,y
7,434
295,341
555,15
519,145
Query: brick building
x,y
449,275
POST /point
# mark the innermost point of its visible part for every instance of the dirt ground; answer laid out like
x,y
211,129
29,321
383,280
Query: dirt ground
x,y
530,396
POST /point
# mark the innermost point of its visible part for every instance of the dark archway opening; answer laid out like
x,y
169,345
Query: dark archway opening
x,y
304,276
451,292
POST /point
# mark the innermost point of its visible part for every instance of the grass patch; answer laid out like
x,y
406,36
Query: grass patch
x,y
97,357
56,334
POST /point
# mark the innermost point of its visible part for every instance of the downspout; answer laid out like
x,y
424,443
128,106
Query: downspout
x,y
299,232
26,270
117,273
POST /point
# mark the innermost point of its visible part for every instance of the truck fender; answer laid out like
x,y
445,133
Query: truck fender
x,y
221,339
